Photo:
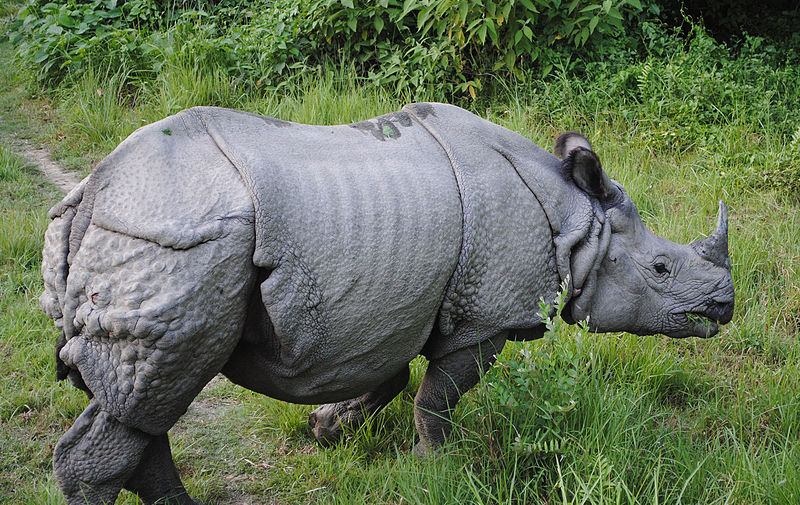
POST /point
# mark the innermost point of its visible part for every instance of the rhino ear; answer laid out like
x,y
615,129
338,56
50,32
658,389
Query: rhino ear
x,y
568,141
581,165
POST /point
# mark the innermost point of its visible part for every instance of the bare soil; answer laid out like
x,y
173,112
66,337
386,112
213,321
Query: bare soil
x,y
41,159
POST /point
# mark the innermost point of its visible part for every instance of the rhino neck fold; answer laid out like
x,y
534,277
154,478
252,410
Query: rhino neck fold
x,y
551,219
579,230
420,113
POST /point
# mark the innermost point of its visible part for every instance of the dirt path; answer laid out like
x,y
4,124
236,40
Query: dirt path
x,y
40,158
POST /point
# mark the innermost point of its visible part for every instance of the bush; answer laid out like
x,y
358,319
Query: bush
x,y
421,44
58,37
263,46
733,109
536,388
414,47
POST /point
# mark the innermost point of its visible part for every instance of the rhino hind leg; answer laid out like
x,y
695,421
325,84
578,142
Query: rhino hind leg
x,y
156,324
156,477
445,381
328,421
96,456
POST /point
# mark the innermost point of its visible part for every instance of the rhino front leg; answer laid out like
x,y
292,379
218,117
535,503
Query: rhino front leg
x,y
96,456
327,421
156,477
445,381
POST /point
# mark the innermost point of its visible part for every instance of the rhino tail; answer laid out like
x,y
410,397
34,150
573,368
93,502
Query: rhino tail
x,y
70,218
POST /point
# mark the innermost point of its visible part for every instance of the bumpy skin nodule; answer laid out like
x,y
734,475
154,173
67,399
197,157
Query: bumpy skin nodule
x,y
313,263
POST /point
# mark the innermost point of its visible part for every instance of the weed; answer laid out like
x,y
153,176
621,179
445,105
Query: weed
x,y
535,390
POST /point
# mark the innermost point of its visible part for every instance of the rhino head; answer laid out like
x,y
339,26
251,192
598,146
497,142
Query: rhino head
x,y
645,284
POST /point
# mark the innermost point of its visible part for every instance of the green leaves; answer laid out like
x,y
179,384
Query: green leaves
x,y
593,24
442,45
537,386
501,34
58,37
65,20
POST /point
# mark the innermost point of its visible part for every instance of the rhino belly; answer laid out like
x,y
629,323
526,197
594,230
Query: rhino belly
x,y
256,365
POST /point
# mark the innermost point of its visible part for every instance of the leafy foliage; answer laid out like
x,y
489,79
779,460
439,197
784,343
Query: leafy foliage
x,y
536,387
60,39
426,43
729,20
413,46
58,36
704,97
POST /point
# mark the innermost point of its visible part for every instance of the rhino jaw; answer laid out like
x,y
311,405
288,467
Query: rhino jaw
x,y
705,321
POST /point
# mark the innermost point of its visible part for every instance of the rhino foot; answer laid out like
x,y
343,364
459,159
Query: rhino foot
x,y
156,479
141,463
422,450
327,421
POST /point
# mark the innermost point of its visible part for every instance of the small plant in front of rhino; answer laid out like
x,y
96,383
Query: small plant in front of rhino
x,y
536,384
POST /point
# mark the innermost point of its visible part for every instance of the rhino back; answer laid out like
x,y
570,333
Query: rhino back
x,y
358,230
169,183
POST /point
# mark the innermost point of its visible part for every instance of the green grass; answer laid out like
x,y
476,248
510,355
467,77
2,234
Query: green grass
x,y
655,421
32,407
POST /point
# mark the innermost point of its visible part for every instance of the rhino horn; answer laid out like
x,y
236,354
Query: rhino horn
x,y
714,248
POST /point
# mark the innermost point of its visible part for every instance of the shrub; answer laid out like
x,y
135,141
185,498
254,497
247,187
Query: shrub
x,y
54,36
536,387
419,44
66,37
414,47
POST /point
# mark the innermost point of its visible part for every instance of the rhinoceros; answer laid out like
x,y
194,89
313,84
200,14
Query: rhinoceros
x,y
313,263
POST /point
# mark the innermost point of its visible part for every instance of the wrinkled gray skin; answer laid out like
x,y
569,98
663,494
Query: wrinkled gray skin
x,y
313,263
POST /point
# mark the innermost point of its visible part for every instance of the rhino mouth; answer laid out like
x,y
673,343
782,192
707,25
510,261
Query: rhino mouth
x,y
701,325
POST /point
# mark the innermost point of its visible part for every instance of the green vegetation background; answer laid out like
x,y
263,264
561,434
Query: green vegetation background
x,y
683,115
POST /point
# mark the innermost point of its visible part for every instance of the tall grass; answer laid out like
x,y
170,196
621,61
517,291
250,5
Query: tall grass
x,y
32,408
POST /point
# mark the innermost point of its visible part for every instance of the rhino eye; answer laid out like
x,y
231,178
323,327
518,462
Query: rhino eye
x,y
660,268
